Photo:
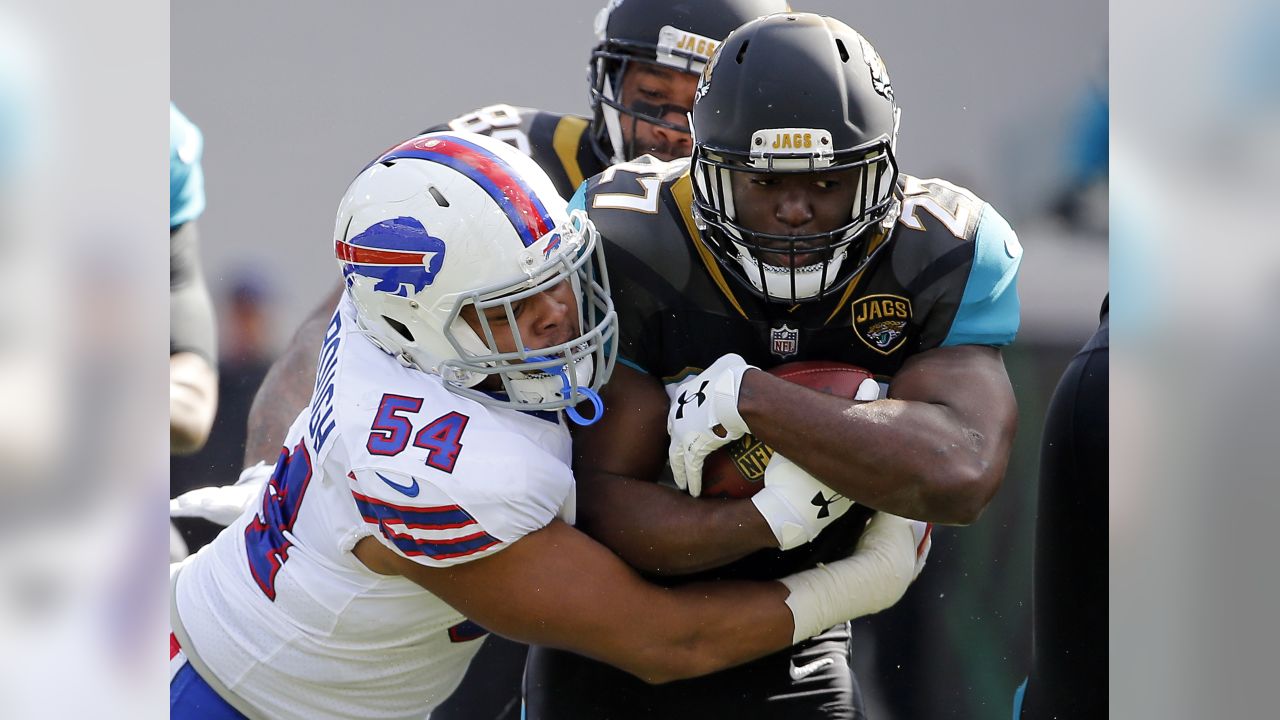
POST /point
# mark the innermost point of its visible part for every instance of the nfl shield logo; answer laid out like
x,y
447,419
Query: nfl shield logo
x,y
786,342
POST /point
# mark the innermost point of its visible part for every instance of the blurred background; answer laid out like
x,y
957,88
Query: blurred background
x,y
1007,99
1002,97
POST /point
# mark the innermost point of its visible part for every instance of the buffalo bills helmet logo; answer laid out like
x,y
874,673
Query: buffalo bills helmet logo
x,y
399,253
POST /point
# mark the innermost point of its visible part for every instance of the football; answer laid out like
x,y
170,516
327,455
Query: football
x,y
737,469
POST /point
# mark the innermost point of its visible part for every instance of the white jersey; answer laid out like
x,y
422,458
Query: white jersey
x,y
281,611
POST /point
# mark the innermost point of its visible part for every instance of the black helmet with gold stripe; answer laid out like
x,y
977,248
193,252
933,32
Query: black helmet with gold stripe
x,y
663,35
787,94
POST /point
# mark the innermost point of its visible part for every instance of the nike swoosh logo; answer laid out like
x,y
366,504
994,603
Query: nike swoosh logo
x,y
411,489
804,671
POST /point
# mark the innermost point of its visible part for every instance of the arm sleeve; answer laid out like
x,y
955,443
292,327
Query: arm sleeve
x,y
989,312
191,320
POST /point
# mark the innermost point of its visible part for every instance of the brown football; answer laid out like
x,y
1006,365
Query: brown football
x,y
737,469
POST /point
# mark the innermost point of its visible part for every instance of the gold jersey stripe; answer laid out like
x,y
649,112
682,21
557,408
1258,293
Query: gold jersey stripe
x,y
566,141
876,242
682,191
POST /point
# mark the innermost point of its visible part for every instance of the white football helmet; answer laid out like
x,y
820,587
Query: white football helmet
x,y
452,219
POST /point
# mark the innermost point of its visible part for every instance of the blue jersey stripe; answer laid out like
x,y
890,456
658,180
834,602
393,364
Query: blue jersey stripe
x,y
442,518
439,549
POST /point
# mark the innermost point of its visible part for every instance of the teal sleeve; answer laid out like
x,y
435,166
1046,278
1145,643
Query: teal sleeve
x,y
989,313
186,178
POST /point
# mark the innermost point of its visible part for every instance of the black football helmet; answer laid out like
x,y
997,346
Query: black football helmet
x,y
794,93
676,34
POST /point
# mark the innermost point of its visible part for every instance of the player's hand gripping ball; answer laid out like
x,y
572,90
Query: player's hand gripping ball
x,y
737,469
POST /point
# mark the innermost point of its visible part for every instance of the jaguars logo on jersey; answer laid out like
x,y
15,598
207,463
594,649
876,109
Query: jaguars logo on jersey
x,y
881,321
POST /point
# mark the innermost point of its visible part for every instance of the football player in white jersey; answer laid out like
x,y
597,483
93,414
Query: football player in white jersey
x,y
425,496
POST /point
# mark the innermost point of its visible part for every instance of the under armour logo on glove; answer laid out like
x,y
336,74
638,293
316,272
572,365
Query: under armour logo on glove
x,y
684,399
703,419
822,503
788,489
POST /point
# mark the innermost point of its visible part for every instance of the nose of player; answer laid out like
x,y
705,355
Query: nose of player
x,y
668,144
793,211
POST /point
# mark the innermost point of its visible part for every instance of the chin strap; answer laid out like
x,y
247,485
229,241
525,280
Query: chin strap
x,y
566,391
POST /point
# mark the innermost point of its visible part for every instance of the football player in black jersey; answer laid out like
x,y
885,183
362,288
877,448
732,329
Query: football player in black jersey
x,y
790,235
642,77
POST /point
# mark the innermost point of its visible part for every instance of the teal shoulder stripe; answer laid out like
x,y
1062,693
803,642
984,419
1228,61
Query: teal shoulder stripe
x,y
579,199
989,312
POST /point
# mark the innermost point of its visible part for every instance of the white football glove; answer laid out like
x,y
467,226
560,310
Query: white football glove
x,y
224,503
796,505
703,402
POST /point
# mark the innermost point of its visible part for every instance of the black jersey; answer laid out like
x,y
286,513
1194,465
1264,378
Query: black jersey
x,y
946,276
560,144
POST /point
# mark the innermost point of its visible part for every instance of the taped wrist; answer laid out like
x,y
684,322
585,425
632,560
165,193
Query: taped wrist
x,y
870,580
782,518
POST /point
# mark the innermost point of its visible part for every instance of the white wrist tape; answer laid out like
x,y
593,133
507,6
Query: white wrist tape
x,y
787,525
870,580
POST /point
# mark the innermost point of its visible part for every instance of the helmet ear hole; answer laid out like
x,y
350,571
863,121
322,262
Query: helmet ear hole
x,y
742,50
844,52
399,327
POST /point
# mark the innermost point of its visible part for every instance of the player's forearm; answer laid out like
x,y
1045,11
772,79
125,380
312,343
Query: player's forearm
x,y
287,387
193,402
733,622
711,627
913,459
662,531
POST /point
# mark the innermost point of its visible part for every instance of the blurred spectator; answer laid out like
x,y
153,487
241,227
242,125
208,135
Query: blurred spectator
x,y
1081,202
246,319
247,352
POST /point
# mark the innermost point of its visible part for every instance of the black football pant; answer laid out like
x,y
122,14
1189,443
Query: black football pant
x,y
810,680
